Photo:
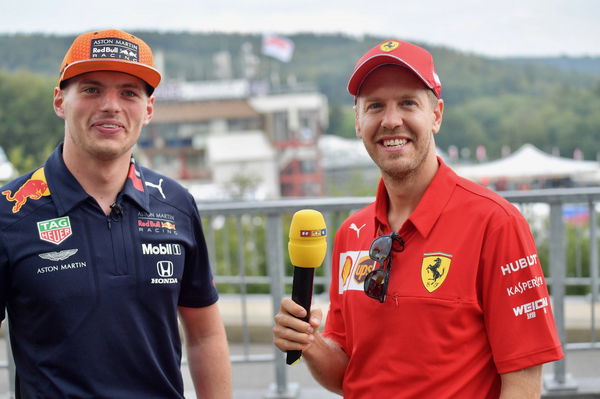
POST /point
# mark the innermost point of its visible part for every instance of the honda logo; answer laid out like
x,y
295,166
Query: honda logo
x,y
164,268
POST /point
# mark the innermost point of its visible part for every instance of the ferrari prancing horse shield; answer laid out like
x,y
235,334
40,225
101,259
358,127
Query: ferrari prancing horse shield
x,y
434,269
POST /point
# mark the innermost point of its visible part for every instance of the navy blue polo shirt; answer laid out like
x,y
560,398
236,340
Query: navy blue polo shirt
x,y
92,299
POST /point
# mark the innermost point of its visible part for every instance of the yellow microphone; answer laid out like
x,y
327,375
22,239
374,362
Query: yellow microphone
x,y
307,248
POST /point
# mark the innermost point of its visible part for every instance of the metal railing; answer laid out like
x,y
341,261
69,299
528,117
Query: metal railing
x,y
275,215
247,242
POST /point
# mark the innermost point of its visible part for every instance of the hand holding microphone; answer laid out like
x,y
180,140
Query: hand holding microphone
x,y
307,247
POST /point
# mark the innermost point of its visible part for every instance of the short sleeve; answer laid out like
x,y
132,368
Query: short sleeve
x,y
515,300
197,286
334,325
4,278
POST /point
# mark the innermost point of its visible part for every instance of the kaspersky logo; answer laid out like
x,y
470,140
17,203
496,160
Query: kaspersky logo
x,y
55,230
34,188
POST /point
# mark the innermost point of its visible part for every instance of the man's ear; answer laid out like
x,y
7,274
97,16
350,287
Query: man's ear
x,y
356,124
57,102
149,110
438,112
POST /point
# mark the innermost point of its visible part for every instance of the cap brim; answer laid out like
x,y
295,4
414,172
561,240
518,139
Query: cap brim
x,y
146,73
363,70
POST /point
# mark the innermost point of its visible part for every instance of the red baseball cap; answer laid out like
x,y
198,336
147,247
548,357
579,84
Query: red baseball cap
x,y
396,52
110,50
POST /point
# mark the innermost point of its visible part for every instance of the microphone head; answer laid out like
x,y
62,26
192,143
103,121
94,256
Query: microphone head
x,y
308,239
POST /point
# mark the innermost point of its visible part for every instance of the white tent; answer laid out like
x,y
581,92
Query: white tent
x,y
529,163
7,171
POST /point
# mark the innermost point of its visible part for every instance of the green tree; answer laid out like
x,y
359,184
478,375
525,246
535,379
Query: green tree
x,y
29,128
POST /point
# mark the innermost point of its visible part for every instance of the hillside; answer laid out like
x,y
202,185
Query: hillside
x,y
323,59
492,102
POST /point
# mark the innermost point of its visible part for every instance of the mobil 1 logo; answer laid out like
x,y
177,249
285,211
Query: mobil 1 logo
x,y
161,249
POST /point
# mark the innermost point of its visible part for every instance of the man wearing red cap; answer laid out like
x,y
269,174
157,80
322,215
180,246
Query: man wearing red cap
x,y
99,256
439,293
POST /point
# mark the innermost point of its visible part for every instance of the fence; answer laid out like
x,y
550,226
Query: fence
x,y
246,243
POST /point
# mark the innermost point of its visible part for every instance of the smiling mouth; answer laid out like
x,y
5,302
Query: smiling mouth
x,y
109,125
394,143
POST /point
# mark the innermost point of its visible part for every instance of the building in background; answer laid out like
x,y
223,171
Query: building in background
x,y
233,139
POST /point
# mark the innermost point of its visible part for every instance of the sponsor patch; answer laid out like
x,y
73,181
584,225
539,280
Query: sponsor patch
x,y
530,309
115,48
164,269
519,264
434,269
34,188
161,249
156,223
59,255
523,286
354,267
390,45
55,230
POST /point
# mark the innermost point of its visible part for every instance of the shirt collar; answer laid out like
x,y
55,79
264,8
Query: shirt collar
x,y
67,192
428,209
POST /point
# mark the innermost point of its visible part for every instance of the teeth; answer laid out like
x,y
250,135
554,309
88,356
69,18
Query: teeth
x,y
109,125
394,142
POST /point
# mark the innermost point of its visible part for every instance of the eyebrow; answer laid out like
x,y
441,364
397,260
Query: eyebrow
x,y
127,85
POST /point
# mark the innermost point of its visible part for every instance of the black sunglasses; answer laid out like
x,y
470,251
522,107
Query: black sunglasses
x,y
376,281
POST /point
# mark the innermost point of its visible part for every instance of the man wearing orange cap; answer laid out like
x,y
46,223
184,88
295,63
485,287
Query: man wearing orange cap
x,y
439,293
99,256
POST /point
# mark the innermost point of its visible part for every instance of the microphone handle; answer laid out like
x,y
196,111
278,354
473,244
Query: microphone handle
x,y
302,288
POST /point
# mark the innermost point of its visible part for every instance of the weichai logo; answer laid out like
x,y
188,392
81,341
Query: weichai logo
x,y
530,308
34,188
55,230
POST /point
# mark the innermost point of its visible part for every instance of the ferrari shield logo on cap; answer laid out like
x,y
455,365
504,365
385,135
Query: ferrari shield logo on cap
x,y
390,45
434,269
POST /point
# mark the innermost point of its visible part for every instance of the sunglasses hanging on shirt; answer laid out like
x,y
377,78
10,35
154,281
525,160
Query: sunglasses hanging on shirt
x,y
376,282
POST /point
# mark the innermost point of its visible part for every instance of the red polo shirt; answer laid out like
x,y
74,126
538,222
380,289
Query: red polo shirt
x,y
467,299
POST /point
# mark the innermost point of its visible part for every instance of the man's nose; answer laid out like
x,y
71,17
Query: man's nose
x,y
392,118
111,101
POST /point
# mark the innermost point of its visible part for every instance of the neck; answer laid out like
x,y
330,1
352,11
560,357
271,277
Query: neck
x,y
102,180
405,193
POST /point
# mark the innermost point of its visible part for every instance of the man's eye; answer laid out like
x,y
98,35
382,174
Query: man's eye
x,y
373,106
129,93
409,103
90,90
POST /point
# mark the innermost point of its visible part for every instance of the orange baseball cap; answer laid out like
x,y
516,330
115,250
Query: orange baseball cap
x,y
110,50
396,52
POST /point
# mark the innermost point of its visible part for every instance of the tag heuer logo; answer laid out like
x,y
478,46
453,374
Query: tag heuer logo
x,y
55,230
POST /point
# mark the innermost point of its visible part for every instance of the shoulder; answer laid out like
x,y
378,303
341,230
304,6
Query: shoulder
x,y
167,190
19,196
474,198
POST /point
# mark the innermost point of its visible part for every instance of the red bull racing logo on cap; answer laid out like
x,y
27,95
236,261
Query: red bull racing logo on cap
x,y
55,230
34,189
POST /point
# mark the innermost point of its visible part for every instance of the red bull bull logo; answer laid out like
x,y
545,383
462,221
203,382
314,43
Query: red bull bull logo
x,y
34,188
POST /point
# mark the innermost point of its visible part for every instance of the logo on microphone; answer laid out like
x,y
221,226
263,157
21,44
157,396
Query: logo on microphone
x,y
313,233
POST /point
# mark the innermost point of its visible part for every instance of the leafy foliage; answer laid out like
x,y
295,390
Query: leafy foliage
x,y
29,129
551,103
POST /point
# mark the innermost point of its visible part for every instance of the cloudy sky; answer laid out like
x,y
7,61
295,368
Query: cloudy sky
x,y
492,27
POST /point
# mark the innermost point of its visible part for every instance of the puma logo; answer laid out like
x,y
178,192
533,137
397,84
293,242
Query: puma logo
x,y
357,229
158,187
